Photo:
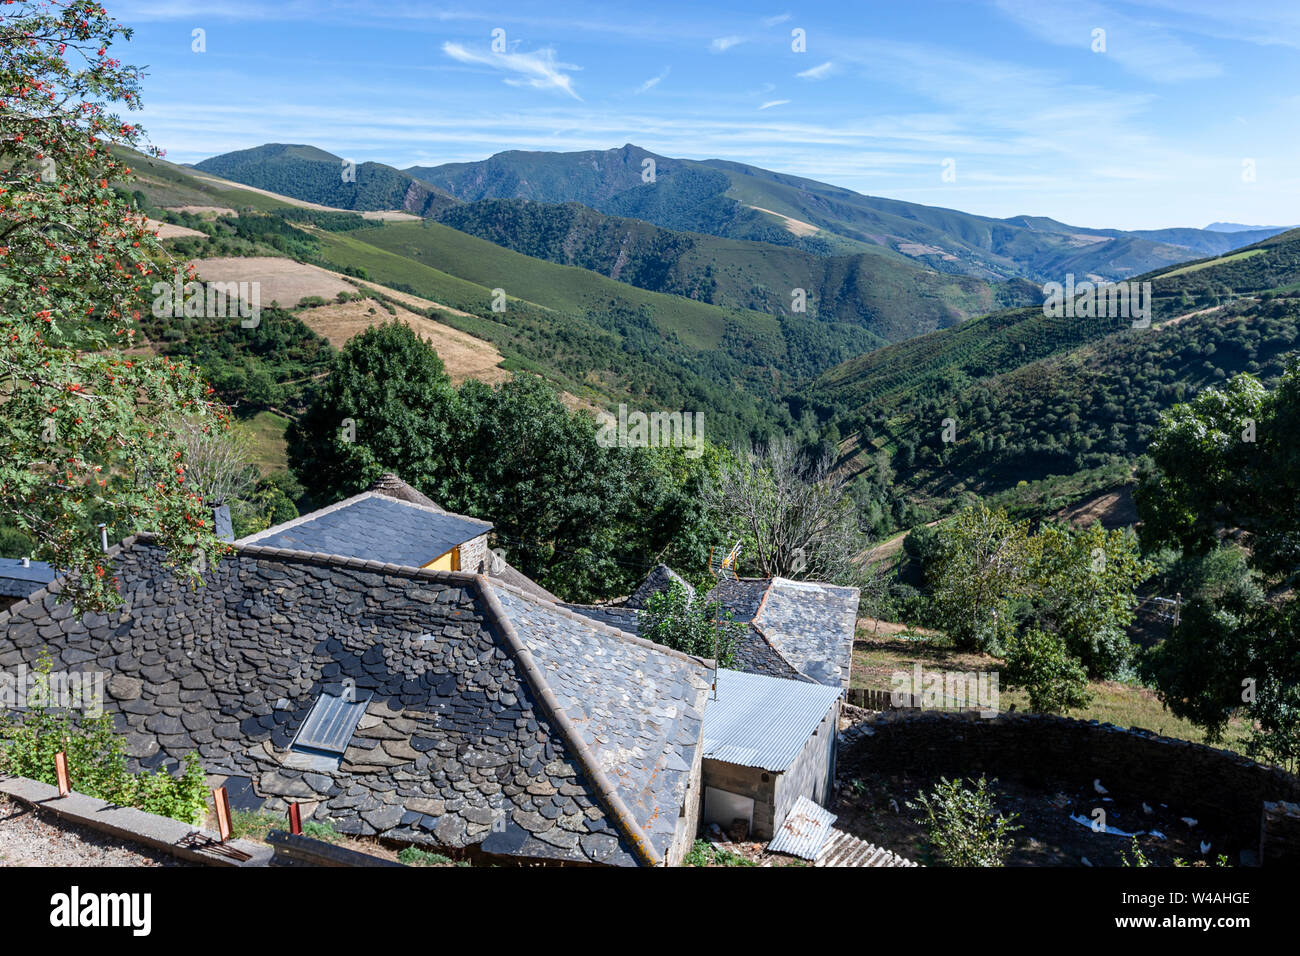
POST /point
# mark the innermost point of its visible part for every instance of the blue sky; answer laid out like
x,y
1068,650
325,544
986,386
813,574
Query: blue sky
x,y
1157,130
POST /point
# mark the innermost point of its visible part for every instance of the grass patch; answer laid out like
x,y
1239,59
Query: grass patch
x,y
704,853
1125,705
267,436
1213,262
255,824
321,830
414,856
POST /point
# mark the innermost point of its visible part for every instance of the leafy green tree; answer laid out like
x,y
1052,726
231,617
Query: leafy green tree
x,y
87,431
979,569
585,520
1082,583
1205,472
1227,463
1041,663
673,619
387,405
964,826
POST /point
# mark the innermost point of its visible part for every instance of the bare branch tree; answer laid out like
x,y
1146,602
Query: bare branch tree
x,y
793,514
218,461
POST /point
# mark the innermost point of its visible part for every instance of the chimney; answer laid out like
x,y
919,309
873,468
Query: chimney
x,y
221,522
27,562
103,536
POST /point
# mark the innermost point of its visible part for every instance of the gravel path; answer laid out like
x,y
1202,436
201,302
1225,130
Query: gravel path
x,y
29,839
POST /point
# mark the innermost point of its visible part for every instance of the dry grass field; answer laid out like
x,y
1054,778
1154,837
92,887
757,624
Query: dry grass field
x,y
283,281
465,356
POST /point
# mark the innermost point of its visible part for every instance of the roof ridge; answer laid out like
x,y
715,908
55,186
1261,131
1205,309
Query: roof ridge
x,y
582,753
601,626
348,502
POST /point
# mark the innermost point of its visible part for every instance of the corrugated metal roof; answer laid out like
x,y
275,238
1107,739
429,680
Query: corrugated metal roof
x,y
760,721
330,725
804,831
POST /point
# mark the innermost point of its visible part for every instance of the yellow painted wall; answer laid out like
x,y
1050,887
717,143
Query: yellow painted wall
x,y
447,562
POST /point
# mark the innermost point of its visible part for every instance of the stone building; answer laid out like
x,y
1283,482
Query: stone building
x,y
427,707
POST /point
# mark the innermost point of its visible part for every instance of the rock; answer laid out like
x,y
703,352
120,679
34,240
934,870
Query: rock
x,y
121,687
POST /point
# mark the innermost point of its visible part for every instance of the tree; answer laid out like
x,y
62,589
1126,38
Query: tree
x,y
964,826
219,460
87,432
1082,584
387,405
979,569
1225,464
673,619
583,519
1040,662
793,515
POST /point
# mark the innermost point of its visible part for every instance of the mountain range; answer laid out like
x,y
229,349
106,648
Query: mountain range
x,y
677,292
737,201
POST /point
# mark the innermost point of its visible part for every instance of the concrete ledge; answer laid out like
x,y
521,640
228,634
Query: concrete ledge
x,y
303,849
130,824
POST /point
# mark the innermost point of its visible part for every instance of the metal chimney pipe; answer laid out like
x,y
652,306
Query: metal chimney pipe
x,y
27,562
103,537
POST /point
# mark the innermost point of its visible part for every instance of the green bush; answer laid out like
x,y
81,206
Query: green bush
x,y
1040,662
964,826
96,758
672,619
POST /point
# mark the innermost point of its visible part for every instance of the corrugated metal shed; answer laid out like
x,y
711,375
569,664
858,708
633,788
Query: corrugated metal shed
x,y
804,831
760,721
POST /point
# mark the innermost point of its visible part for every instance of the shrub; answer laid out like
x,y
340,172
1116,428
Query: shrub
x,y
964,826
672,619
96,758
1040,662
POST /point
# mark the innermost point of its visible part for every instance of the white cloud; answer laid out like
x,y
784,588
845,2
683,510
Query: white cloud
x,y
770,103
725,43
1138,45
654,81
538,69
773,21
817,72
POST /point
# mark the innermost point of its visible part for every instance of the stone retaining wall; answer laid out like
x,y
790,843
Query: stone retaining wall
x,y
1224,790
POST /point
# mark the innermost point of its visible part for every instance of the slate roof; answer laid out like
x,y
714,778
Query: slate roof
x,y
495,720
614,615
374,526
760,721
637,705
797,629
659,579
17,581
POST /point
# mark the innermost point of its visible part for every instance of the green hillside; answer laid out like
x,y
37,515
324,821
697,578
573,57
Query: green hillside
x,y
313,175
461,271
892,298
1033,397
727,199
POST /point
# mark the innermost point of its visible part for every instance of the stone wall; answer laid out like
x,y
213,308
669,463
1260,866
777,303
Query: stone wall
x,y
688,824
811,773
1279,833
474,555
1224,790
